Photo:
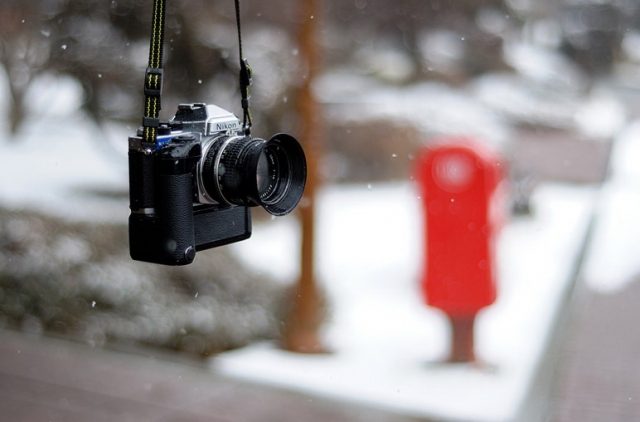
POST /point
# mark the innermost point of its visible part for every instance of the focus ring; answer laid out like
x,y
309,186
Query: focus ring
x,y
229,179
208,174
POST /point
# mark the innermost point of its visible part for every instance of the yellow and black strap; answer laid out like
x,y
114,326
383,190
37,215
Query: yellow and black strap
x,y
245,77
153,74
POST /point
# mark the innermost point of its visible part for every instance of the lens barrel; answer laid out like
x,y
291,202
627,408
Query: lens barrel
x,y
241,170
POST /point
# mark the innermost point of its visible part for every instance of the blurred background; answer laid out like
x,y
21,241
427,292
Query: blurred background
x,y
549,84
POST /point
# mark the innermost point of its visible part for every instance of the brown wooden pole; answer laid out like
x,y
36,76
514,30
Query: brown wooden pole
x,y
462,339
307,309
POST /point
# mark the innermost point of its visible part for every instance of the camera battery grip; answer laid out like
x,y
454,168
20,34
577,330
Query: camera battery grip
x,y
165,226
212,226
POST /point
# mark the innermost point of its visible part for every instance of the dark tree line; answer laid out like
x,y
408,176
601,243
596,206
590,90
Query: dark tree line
x,y
104,46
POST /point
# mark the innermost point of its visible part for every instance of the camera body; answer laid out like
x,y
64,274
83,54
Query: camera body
x,y
192,190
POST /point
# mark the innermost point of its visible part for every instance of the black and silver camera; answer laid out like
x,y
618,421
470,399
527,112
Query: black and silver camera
x,y
192,189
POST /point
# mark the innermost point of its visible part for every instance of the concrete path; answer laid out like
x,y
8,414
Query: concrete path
x,y
43,379
599,373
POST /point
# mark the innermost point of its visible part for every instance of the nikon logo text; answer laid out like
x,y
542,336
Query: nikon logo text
x,y
226,126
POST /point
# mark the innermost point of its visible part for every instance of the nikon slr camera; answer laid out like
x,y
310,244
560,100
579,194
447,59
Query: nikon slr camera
x,y
192,189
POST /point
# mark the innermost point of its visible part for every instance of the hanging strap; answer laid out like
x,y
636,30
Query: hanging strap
x,y
153,75
245,77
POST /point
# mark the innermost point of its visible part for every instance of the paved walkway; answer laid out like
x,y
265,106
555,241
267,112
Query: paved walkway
x,y
599,374
43,379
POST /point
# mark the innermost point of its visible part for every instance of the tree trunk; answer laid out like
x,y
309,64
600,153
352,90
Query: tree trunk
x,y
307,311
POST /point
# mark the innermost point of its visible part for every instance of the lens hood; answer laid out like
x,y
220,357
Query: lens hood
x,y
281,174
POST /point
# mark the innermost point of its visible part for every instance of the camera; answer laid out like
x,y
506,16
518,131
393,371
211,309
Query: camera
x,y
192,189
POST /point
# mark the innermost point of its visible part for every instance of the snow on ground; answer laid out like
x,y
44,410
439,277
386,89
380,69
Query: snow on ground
x,y
62,175
613,261
387,345
432,107
58,167
60,159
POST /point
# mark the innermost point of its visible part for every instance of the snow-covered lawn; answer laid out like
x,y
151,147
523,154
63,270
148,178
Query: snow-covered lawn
x,y
387,345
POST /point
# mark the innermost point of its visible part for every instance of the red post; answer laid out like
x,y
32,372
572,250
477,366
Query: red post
x,y
458,181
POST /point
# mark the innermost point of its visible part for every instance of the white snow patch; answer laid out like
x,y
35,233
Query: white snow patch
x,y
613,257
431,107
601,116
58,164
51,95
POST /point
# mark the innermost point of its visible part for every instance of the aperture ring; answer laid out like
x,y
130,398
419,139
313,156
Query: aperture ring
x,y
233,171
217,167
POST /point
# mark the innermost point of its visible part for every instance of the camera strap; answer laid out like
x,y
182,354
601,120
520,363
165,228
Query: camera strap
x,y
245,77
153,74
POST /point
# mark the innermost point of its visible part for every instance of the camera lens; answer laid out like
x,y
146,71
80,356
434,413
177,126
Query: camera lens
x,y
249,171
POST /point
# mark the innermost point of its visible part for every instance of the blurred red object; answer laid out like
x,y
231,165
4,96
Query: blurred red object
x,y
459,181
